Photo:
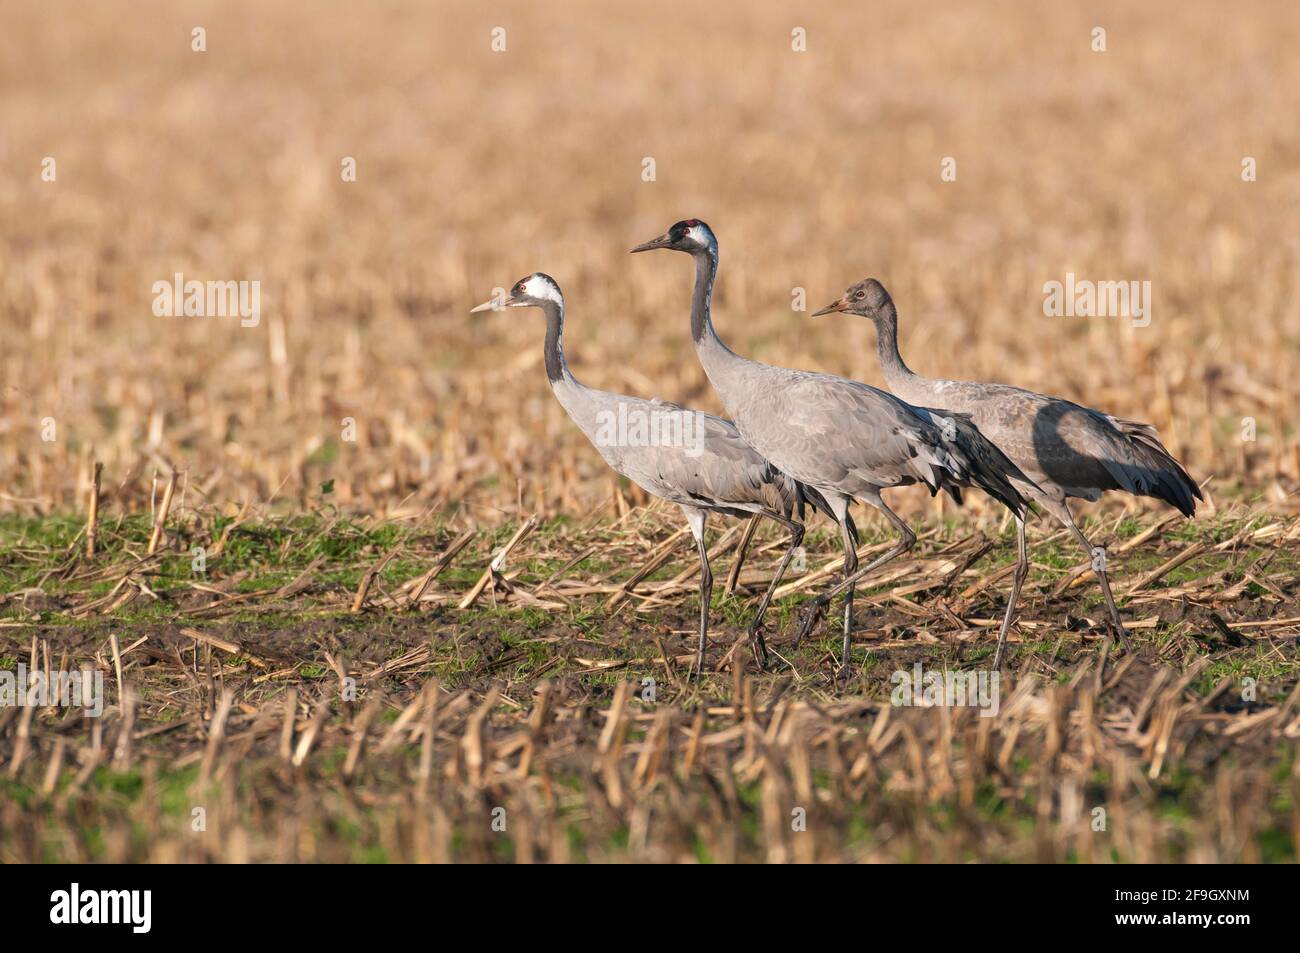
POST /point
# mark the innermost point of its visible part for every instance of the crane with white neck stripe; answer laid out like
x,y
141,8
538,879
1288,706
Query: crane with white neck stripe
x,y
704,467
847,440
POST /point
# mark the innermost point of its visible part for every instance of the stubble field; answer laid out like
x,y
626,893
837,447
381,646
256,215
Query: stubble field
x,y
312,650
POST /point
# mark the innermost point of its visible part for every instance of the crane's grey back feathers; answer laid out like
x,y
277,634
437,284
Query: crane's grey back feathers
x,y
1067,449
844,436
708,466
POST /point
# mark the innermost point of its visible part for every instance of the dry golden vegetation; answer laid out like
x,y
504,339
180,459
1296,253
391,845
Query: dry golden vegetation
x,y
333,563
474,168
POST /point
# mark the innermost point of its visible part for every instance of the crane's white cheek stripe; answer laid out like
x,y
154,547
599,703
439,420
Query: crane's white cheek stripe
x,y
543,290
701,235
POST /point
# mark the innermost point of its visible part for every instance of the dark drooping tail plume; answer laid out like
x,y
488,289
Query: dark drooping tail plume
x,y
986,466
1151,470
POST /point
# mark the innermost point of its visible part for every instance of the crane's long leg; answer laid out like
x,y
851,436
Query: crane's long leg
x,y
756,640
1022,571
696,518
1062,512
850,571
733,579
816,608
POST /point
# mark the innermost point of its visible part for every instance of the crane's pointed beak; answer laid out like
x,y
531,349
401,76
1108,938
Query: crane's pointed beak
x,y
494,304
663,241
834,306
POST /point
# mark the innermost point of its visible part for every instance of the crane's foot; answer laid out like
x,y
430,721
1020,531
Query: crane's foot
x,y
758,645
1115,627
697,668
810,618
844,672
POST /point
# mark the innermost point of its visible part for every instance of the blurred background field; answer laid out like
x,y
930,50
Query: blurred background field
x,y
476,167
380,564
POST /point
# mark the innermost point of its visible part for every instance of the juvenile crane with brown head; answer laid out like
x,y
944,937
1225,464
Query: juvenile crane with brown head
x,y
1067,450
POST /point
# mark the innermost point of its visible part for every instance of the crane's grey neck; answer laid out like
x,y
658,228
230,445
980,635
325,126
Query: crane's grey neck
x,y
891,362
706,270
557,369
579,401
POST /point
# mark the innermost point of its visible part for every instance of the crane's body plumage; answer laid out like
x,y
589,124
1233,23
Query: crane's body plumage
x,y
1066,449
844,438
705,467
713,468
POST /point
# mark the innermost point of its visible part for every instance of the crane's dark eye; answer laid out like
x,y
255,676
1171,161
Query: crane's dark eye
x,y
861,294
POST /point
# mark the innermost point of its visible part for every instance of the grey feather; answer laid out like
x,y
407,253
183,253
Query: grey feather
x,y
843,436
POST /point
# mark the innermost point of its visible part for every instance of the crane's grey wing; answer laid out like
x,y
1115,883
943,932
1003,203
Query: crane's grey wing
x,y
684,456
832,432
1047,438
1083,451
716,466
1135,460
